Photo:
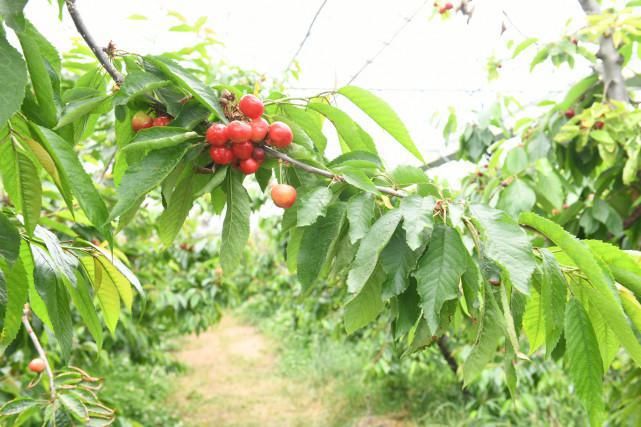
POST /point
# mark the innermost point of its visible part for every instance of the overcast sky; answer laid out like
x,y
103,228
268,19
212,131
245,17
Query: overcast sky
x,y
433,64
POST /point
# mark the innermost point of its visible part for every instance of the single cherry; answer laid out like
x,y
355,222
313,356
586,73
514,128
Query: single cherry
x,y
283,195
37,365
161,121
569,113
221,155
243,150
251,106
259,129
249,166
141,120
239,131
280,135
217,135
258,154
599,125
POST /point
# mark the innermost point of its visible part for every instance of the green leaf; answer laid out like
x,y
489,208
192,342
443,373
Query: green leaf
x,y
516,198
82,187
524,45
534,319
171,220
601,292
553,299
489,334
75,407
345,126
82,299
516,161
624,268
577,91
605,337
507,245
138,83
121,267
185,80
313,205
382,114
156,138
405,175
12,11
439,272
360,212
370,249
358,179
17,406
397,261
9,240
306,120
236,225
417,219
364,307
584,361
55,296
30,190
106,293
112,274
40,78
141,177
16,283
13,77
318,244
79,108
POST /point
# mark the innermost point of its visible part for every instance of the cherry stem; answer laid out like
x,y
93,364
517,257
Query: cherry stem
x,y
26,311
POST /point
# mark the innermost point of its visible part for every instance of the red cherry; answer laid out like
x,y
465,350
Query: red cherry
x,y
448,6
258,154
280,135
243,150
283,195
37,365
141,120
259,129
599,125
221,155
217,134
239,131
569,113
251,106
162,121
249,166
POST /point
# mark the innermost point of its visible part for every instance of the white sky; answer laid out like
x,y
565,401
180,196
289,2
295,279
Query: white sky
x,y
432,65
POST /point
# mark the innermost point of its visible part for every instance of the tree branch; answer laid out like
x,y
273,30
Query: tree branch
x,y
26,311
97,51
612,72
322,172
633,218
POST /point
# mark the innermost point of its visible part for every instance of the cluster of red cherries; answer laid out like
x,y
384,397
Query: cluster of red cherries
x,y
238,142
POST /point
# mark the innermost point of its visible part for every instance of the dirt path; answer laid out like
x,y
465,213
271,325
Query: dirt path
x,y
233,380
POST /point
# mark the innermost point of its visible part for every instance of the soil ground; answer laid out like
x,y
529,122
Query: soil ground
x,y
233,381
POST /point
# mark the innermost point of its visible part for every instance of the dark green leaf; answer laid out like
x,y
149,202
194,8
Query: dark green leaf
x,y
141,177
318,244
13,78
138,83
360,212
9,240
439,272
370,248
313,205
236,225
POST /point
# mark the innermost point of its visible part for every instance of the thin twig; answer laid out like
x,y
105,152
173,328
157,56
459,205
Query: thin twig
x,y
322,172
388,42
307,34
97,50
41,352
